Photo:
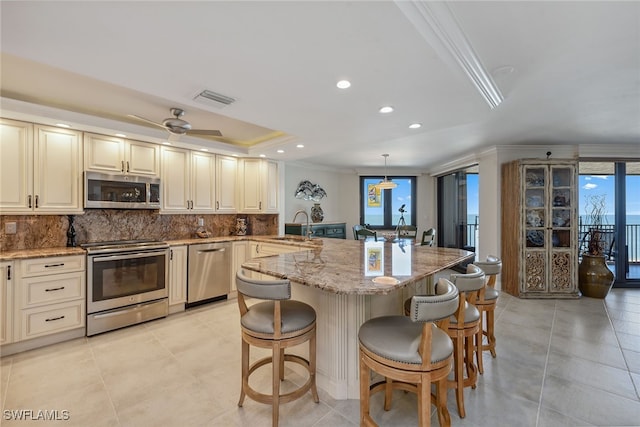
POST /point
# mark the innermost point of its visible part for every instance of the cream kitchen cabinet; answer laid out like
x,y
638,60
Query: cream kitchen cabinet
x,y
114,155
239,257
188,181
49,296
226,188
262,249
178,278
258,185
7,273
40,169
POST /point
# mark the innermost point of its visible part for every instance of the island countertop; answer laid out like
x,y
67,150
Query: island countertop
x,y
359,267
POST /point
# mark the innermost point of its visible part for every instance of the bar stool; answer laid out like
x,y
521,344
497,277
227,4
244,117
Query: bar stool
x,y
486,303
276,324
463,329
411,353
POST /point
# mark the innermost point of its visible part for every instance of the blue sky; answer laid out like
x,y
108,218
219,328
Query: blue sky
x,y
605,184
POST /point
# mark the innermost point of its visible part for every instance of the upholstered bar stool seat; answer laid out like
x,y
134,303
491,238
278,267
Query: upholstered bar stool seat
x,y
411,353
486,303
463,328
277,323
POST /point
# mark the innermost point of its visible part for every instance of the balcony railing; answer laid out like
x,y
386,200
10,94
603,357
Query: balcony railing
x,y
632,235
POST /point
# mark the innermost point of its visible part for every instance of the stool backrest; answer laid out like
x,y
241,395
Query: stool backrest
x,y
492,266
430,308
470,282
275,289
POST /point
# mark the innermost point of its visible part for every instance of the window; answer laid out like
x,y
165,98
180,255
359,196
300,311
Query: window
x,y
380,209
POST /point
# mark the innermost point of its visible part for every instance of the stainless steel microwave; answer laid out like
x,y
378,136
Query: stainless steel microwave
x,y
104,191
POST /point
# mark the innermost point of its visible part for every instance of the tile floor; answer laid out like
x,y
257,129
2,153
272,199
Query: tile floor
x,y
560,363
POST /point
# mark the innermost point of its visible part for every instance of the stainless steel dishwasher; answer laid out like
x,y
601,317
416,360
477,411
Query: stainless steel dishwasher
x,y
209,272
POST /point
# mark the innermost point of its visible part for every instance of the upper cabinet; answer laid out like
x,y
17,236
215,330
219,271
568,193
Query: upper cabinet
x,y
258,185
197,182
226,188
113,155
40,169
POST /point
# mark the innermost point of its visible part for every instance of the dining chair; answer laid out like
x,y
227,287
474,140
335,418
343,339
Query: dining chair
x,y
365,233
355,231
428,237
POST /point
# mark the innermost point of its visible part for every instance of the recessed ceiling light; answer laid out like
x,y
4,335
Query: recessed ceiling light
x,y
386,109
343,84
262,155
120,135
280,151
63,125
415,125
299,146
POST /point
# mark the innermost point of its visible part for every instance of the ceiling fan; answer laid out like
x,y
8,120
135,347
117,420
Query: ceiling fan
x,y
176,126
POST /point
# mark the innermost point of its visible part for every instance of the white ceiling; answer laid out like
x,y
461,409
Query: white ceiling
x,y
575,79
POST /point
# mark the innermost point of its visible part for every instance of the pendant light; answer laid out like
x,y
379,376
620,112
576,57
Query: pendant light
x,y
386,184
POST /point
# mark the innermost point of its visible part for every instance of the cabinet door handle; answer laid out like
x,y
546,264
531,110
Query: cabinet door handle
x,y
127,166
122,166
29,201
37,197
54,289
8,272
51,319
260,205
217,205
54,265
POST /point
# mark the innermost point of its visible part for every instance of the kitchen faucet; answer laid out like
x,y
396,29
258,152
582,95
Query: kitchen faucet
x,y
309,231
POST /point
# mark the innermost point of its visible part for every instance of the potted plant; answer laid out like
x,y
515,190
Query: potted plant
x,y
594,277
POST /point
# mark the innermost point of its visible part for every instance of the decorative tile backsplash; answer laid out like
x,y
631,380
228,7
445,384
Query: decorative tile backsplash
x,y
49,231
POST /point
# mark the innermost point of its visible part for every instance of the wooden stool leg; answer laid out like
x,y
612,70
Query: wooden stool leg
x,y
490,333
479,340
470,367
459,375
388,392
441,398
245,370
276,363
281,358
424,402
312,366
364,390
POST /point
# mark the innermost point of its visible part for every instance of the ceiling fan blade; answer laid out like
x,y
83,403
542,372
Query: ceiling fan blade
x,y
147,121
211,132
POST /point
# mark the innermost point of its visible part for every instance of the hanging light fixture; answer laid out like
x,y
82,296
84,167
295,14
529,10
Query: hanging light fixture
x,y
386,184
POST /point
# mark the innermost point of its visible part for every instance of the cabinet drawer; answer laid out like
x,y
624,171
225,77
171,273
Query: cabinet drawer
x,y
51,319
52,289
52,265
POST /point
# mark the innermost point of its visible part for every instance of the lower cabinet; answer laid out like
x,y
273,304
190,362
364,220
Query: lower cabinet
x,y
7,273
49,296
178,278
239,257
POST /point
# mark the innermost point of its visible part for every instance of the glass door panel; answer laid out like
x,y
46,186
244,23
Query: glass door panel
x,y
632,216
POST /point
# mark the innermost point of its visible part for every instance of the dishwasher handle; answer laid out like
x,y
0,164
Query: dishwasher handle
x,y
202,251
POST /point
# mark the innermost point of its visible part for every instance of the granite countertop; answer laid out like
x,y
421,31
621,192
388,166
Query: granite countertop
x,y
350,266
39,253
286,239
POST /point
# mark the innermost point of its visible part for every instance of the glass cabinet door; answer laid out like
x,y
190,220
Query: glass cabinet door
x,y
535,236
562,216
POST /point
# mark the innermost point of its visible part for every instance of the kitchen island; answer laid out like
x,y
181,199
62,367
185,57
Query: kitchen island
x,y
348,282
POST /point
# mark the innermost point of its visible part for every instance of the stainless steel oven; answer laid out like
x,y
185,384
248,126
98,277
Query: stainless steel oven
x,y
127,283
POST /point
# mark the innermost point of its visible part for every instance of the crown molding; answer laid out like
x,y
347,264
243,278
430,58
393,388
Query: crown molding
x,y
438,26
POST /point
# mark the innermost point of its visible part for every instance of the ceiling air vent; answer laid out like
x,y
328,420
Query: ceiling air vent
x,y
214,99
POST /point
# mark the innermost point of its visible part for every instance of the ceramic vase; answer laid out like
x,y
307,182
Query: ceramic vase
x,y
317,215
594,277
241,227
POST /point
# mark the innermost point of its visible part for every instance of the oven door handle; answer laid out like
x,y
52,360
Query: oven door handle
x,y
137,307
128,256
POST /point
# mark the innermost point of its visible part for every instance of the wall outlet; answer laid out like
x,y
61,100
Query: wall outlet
x,y
10,228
